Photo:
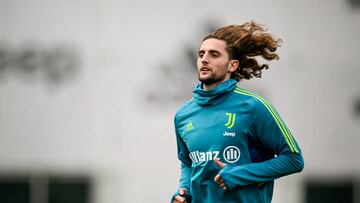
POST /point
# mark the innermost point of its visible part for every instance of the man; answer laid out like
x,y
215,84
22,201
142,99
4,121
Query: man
x,y
232,143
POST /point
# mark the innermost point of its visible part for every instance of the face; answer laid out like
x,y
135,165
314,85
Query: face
x,y
213,62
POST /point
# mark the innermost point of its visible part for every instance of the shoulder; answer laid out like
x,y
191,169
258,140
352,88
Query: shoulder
x,y
256,102
183,109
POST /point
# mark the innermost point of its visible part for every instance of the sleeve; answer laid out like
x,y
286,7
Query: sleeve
x,y
183,156
269,129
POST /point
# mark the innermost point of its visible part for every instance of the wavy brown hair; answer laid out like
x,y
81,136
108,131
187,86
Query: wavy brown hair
x,y
244,43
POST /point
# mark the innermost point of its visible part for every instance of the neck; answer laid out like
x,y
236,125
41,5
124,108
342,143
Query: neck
x,y
210,86
213,85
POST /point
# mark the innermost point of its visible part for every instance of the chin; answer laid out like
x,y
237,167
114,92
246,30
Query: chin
x,y
207,81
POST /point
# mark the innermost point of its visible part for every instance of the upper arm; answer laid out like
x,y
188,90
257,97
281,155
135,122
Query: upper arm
x,y
182,150
271,130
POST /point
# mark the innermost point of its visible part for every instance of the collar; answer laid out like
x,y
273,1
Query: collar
x,y
206,98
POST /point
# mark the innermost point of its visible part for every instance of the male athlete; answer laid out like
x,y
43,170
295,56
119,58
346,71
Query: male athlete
x,y
232,143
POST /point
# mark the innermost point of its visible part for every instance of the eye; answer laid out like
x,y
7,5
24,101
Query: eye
x,y
214,53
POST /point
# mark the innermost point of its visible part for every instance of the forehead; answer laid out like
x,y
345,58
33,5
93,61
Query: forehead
x,y
213,44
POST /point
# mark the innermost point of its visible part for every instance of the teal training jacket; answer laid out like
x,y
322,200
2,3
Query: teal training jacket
x,y
245,132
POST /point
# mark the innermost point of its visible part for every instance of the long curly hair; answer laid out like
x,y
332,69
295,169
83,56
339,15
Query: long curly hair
x,y
244,43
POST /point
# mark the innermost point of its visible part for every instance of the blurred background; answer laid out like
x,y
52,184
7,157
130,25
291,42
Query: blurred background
x,y
88,91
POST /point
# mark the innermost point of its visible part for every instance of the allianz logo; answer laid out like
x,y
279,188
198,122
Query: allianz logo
x,y
198,157
229,134
231,154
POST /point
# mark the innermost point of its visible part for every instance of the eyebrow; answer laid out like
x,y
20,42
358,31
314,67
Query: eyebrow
x,y
211,51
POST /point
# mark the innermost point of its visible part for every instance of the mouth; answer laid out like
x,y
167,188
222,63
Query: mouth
x,y
204,69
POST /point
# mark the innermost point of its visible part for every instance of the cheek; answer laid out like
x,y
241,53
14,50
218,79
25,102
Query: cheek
x,y
198,63
222,66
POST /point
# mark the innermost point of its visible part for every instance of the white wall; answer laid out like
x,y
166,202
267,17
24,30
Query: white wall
x,y
100,122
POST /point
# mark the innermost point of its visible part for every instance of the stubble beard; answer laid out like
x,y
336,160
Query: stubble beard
x,y
211,79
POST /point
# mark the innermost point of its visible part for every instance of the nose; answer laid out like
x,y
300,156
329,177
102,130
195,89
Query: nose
x,y
204,59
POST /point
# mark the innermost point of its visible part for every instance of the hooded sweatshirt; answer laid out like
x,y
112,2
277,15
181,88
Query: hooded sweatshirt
x,y
246,133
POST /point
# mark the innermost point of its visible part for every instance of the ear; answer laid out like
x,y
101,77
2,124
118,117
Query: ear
x,y
233,65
